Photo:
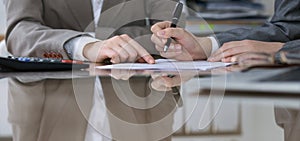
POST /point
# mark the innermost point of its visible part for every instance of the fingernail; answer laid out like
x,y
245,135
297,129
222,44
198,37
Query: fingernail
x,y
161,33
233,59
152,61
113,61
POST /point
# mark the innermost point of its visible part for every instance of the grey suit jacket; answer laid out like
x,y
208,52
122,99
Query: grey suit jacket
x,y
283,27
38,27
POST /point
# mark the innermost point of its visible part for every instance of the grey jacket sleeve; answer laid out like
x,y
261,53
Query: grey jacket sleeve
x,y
291,45
283,27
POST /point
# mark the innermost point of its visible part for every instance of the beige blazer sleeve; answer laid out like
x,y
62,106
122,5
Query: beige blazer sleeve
x,y
37,27
40,27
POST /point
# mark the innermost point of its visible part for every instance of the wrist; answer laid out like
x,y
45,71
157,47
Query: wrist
x,y
278,45
90,51
204,48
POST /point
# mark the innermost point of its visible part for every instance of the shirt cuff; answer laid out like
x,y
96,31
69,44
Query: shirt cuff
x,y
79,43
214,43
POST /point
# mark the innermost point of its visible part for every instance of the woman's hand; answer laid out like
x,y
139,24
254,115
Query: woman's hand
x,y
233,49
186,45
119,49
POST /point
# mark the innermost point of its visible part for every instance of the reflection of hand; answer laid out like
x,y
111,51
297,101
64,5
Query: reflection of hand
x,y
187,46
122,74
233,49
163,82
115,73
119,48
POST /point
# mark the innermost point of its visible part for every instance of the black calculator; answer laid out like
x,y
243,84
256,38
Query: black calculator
x,y
11,63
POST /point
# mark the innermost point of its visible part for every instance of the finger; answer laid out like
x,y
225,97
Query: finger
x,y
251,56
227,60
141,60
228,53
106,52
121,53
177,48
160,25
149,59
141,52
160,48
158,41
131,52
226,46
122,74
170,55
172,82
159,84
176,33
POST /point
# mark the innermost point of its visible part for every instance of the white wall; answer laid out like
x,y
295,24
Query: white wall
x,y
2,18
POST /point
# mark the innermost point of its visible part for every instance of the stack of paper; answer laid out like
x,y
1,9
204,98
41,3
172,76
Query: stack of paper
x,y
164,64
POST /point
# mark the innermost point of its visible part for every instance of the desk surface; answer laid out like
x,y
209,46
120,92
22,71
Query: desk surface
x,y
139,105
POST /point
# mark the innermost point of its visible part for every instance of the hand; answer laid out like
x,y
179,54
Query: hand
x,y
119,49
162,81
187,46
231,50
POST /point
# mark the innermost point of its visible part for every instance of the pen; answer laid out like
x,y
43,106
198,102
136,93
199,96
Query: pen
x,y
176,15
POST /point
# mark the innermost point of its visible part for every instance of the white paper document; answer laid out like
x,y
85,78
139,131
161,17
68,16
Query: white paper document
x,y
166,64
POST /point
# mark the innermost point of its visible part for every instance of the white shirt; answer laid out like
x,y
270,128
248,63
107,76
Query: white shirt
x,y
80,42
98,127
214,43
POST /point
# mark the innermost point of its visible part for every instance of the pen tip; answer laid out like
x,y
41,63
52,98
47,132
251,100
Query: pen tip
x,y
165,49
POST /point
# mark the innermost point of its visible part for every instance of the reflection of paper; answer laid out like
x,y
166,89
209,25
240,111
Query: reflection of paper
x,y
164,64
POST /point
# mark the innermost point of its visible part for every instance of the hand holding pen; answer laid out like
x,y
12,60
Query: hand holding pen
x,y
176,15
187,47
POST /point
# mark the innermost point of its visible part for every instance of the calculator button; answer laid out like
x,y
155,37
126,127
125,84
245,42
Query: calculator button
x,y
24,59
67,61
46,55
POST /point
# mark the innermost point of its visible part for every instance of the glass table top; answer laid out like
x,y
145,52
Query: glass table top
x,y
140,105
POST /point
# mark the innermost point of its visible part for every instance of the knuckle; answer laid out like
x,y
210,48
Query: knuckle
x,y
116,37
247,41
153,28
124,36
134,54
126,57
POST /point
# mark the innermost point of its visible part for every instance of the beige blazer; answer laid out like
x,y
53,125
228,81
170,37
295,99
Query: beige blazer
x,y
40,27
47,110
59,110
